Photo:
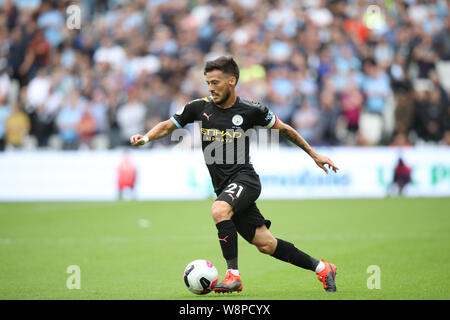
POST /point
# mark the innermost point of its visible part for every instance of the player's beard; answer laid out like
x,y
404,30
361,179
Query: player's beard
x,y
224,99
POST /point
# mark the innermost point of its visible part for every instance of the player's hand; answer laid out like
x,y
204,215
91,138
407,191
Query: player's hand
x,y
321,161
137,140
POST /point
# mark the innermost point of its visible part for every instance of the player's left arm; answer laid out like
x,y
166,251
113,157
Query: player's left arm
x,y
292,135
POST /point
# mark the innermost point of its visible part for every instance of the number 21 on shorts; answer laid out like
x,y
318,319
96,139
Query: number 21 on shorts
x,y
232,187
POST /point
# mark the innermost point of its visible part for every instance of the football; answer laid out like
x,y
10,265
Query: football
x,y
200,276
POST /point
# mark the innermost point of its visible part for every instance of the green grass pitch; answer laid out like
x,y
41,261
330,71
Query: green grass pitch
x,y
138,250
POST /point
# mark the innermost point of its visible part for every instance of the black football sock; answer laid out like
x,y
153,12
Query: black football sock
x,y
228,242
287,252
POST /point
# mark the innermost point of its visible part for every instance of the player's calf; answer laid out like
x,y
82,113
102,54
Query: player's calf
x,y
267,247
264,241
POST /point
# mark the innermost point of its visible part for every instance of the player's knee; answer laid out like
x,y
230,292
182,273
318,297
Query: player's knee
x,y
220,211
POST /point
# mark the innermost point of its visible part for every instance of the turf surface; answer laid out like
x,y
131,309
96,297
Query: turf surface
x,y
138,250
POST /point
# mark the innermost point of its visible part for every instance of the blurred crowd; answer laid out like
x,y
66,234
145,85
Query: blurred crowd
x,y
341,72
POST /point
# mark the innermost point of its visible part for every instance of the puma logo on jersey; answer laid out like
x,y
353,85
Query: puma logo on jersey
x,y
206,115
232,197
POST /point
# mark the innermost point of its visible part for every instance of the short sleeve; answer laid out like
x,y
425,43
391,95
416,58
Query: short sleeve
x,y
265,117
188,113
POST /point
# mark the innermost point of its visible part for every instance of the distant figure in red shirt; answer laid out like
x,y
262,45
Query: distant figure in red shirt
x,y
402,175
126,177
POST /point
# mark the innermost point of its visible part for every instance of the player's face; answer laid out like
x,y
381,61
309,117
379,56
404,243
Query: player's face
x,y
220,85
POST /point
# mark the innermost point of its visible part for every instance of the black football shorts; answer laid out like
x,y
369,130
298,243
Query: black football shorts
x,y
241,193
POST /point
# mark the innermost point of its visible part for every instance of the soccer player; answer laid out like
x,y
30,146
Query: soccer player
x,y
224,117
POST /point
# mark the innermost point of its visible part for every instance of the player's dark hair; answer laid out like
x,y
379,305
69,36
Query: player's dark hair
x,y
225,64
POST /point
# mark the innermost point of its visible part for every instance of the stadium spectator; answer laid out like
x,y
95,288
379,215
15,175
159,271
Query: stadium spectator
x,y
329,115
375,86
436,113
99,110
38,90
37,54
429,115
131,116
325,65
87,127
44,116
17,127
52,20
436,83
383,53
424,55
68,119
352,102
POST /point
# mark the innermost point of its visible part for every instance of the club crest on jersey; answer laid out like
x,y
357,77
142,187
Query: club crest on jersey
x,y
237,120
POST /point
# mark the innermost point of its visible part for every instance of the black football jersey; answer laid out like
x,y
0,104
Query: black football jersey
x,y
226,134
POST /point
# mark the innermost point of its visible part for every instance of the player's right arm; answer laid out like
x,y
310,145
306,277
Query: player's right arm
x,y
159,131
185,115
